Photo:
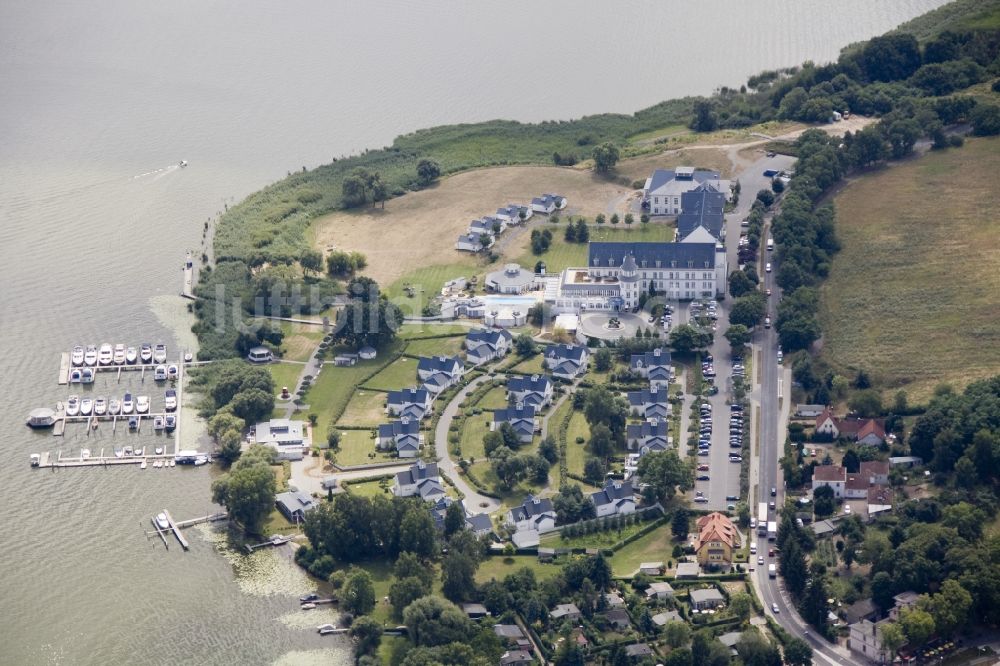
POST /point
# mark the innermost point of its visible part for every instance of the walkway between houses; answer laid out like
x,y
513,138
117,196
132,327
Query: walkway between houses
x,y
568,395
474,501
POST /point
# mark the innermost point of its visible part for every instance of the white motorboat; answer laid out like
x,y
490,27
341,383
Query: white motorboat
x,y
139,451
73,405
142,404
119,354
157,464
114,407
158,450
157,423
77,356
142,465
75,376
173,463
160,373
162,522
170,422
119,453
127,404
86,407
170,399
84,454
90,356
201,460
182,163
308,606
172,372
325,629
146,353
106,354
127,451
131,355
43,417
87,376
160,353
100,406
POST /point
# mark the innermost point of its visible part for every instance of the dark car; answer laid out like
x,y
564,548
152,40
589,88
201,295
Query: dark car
x,y
308,597
774,491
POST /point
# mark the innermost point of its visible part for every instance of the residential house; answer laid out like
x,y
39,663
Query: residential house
x,y
535,390
823,528
520,417
717,539
475,611
512,213
870,432
663,190
619,619
616,498
833,476
451,366
730,639
903,601
648,436
548,203
413,402
649,403
661,619
864,609
565,612
638,651
516,658
482,345
566,361
827,424
294,505
480,524
511,635
486,225
474,242
876,472
641,363
436,383
660,591
865,637
402,435
906,462
614,600
809,411
702,208
856,487
651,568
533,514
439,510
706,598
879,500
284,436
422,479
687,570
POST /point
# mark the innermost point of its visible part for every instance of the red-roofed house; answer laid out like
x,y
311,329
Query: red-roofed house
x,y
879,499
717,539
876,472
833,476
870,432
856,487
826,424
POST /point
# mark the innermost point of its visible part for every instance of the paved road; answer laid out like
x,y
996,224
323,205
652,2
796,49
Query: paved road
x,y
474,502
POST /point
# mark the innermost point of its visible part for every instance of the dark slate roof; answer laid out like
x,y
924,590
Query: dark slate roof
x,y
397,428
532,507
447,364
612,492
417,472
294,501
508,630
688,222
438,380
640,398
471,238
484,225
522,383
566,352
618,617
670,255
488,336
408,396
663,176
515,657
646,429
660,356
479,522
522,419
638,650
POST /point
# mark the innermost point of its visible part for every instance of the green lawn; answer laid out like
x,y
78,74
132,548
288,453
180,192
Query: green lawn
x,y
420,330
399,374
473,431
357,447
563,255
427,282
436,346
370,489
366,408
334,387
577,454
498,567
300,340
530,366
284,374
597,540
656,546
495,398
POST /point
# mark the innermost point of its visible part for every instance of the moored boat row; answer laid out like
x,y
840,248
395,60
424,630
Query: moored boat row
x,y
119,354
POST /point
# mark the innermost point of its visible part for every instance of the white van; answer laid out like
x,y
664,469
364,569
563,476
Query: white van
x,y
767,267
753,547
260,355
770,244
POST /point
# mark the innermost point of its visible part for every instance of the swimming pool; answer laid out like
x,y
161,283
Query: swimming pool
x,y
525,301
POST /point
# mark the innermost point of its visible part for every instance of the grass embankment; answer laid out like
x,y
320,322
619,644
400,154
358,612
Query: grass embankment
x,y
913,296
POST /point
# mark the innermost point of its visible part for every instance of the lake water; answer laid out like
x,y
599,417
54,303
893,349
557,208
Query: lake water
x,y
103,99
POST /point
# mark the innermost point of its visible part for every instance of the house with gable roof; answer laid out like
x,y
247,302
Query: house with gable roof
x,y
533,514
548,203
534,390
413,402
512,213
486,225
422,479
483,344
663,190
717,539
648,436
520,417
870,432
833,476
473,242
649,403
402,435
616,498
702,208
654,365
566,361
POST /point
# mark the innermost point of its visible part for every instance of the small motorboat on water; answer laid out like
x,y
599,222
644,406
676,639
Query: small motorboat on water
x,y
73,405
119,452
106,354
133,424
158,450
127,451
100,406
84,454
170,400
90,356
119,354
157,423
127,404
162,522
172,372
170,423
308,606
160,373
160,353
131,355
76,357
139,451
201,460
142,404
114,407
146,353
182,163
75,376
86,407
157,464
87,376
142,465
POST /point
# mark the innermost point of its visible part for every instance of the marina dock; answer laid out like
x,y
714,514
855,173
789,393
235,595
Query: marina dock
x,y
64,369
174,527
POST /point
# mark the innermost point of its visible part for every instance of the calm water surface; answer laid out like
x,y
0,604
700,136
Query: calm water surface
x,y
101,99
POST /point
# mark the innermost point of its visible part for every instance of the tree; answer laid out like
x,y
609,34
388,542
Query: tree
x,y
741,605
405,591
867,403
605,157
458,575
311,260
569,233
357,596
892,638
582,231
814,603
428,171
704,119
524,345
615,219
883,589
354,188
603,408
755,651
601,443
676,633
602,360
766,197
918,625
454,519
738,336
571,505
950,607
247,491
686,339
986,120
748,310
629,219
740,284
851,461
823,504
549,450
367,634
679,657
664,472
373,323
792,563
594,471
679,524
569,654
230,444
252,405
890,57
432,621
798,653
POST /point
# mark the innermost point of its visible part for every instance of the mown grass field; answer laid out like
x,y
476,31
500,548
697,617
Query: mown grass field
x,y
499,567
284,374
436,346
365,408
914,295
653,547
604,539
397,375
577,454
422,330
300,340
562,255
357,447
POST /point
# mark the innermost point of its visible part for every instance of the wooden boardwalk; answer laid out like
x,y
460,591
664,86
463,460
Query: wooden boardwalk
x,y
64,369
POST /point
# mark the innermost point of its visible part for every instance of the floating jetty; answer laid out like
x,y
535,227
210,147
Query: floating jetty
x,y
276,540
174,527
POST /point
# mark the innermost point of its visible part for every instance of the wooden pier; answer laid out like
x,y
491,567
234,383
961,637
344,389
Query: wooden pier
x,y
276,540
64,369
175,527
176,530
187,291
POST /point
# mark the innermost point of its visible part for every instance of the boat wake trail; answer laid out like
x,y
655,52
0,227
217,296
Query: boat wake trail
x,y
154,172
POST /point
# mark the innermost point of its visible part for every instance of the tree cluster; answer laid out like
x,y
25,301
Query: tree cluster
x,y
577,232
541,239
247,490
